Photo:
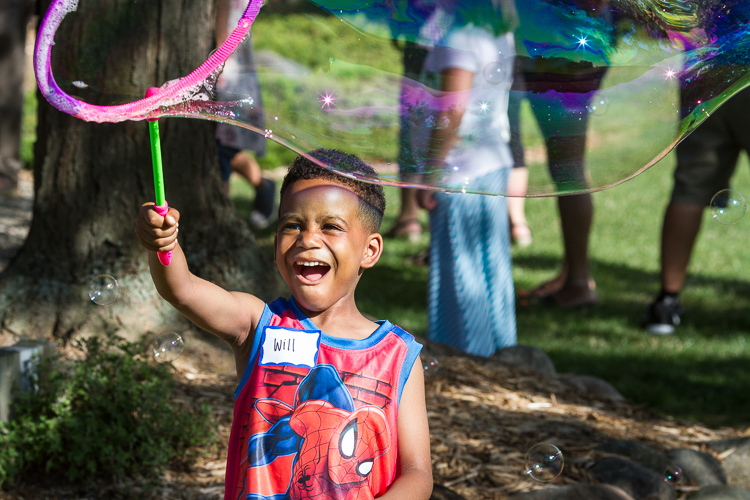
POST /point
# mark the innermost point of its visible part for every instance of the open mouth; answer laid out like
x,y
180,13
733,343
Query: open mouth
x,y
311,271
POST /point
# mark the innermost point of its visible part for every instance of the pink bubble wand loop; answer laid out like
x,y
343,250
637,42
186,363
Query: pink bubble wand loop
x,y
161,206
150,106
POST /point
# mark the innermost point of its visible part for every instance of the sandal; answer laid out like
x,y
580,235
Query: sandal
x,y
546,289
520,234
409,229
551,294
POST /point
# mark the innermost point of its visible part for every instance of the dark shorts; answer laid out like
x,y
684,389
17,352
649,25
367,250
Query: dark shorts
x,y
226,154
533,79
707,158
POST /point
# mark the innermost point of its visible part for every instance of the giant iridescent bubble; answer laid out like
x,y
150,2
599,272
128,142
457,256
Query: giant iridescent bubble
x,y
605,89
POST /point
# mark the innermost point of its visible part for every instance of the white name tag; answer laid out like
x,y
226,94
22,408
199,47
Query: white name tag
x,y
287,347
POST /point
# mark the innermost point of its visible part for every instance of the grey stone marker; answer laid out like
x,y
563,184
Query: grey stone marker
x,y
18,363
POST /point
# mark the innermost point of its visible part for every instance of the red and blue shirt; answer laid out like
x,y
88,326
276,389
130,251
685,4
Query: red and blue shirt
x,y
315,415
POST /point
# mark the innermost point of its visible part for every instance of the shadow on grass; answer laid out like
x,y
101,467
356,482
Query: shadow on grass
x,y
395,290
696,374
714,307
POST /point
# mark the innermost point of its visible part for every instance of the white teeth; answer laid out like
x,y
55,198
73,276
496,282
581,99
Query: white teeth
x,y
311,264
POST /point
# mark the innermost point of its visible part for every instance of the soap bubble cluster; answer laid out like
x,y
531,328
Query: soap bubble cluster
x,y
612,87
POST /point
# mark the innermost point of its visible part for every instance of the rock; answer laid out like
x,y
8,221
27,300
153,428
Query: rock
x,y
720,492
440,492
734,463
645,455
697,467
431,348
575,492
525,355
593,386
636,480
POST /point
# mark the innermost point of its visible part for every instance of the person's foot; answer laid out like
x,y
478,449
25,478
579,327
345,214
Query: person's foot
x,y
574,294
264,207
520,234
662,315
408,229
560,292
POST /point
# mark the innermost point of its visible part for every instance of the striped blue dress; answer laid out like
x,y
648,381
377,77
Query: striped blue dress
x,y
471,298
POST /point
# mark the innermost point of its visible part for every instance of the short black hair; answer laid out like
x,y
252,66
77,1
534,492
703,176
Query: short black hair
x,y
349,170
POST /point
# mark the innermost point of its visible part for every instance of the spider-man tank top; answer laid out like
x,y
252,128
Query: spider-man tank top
x,y
315,416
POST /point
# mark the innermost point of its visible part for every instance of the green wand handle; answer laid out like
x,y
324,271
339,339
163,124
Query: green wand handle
x,y
161,206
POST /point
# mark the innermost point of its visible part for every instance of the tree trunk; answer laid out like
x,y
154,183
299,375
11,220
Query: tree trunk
x,y
90,180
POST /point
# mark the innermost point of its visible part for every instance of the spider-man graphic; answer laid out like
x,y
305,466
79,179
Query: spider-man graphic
x,y
335,445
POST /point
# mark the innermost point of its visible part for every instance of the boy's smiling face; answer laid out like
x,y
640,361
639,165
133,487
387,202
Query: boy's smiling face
x,y
322,244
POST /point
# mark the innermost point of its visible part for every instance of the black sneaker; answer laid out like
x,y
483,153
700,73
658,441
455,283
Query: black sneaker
x,y
264,208
663,315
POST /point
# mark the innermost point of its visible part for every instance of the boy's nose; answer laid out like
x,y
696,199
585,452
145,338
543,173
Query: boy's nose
x,y
308,239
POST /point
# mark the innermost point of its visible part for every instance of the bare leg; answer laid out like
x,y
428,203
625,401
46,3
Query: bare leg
x,y
245,165
682,223
576,217
409,206
407,222
517,185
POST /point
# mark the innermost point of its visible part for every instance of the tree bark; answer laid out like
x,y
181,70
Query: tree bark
x,y
90,180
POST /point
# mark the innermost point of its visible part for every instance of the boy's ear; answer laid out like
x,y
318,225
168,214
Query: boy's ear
x,y
373,251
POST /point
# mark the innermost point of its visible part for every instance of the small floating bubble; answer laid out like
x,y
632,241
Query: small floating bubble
x,y
544,462
599,106
430,365
494,72
167,347
104,290
728,206
673,474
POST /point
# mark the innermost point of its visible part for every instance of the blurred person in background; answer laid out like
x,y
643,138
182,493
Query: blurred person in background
x,y
471,304
239,80
14,18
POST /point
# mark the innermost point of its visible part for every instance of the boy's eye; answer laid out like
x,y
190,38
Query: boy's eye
x,y
331,227
290,226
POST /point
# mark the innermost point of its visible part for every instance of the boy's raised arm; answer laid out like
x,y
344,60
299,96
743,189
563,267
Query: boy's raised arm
x,y
414,481
231,316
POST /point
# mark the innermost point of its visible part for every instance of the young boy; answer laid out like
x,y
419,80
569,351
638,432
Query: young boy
x,y
329,404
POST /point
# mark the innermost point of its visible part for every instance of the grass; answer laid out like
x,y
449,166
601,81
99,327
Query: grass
x,y
700,374
346,64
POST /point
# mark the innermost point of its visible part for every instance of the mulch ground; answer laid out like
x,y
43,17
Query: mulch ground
x,y
483,416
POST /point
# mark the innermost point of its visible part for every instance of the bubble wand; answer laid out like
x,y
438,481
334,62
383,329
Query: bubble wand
x,y
160,206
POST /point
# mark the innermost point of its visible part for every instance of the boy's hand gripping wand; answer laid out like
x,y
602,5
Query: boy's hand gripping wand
x,y
161,206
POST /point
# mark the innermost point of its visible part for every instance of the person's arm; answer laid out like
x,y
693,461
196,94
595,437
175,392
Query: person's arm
x,y
456,86
414,481
231,316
